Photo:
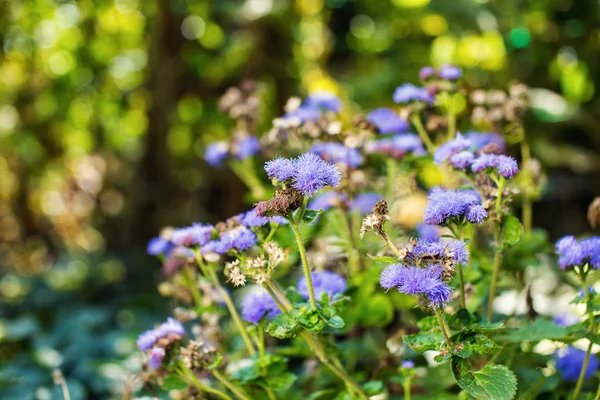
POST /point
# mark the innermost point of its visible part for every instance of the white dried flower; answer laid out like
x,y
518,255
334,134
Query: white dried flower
x,y
275,253
236,276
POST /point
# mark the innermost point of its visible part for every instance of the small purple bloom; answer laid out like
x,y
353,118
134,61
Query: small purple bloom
x,y
280,168
408,364
445,204
215,153
246,147
214,246
337,153
408,92
157,354
325,100
240,238
323,282
462,160
565,320
196,234
426,282
482,139
442,248
305,113
590,290
398,146
250,220
313,174
570,364
450,72
428,232
327,200
256,305
426,72
387,121
147,339
158,245
364,202
577,253
505,165
171,326
476,214
454,146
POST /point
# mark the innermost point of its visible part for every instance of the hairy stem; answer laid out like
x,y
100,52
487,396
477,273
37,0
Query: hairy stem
x,y
234,389
302,251
391,245
406,387
582,373
416,120
498,248
443,325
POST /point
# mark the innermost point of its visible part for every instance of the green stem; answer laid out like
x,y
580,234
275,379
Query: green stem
x,y
582,373
406,386
189,376
597,393
351,247
451,117
234,389
391,245
527,203
443,325
498,250
302,251
209,273
191,280
416,120
458,234
588,300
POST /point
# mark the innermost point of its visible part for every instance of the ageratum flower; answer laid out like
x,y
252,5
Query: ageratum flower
x,y
364,202
447,204
574,253
146,340
251,220
196,234
281,168
304,113
482,139
426,282
239,238
323,282
258,304
428,232
451,147
170,329
570,363
157,354
387,121
462,160
408,92
324,100
397,146
450,72
565,320
338,153
313,174
590,290
215,153
427,72
246,147
442,249
505,165
327,200
158,245
408,364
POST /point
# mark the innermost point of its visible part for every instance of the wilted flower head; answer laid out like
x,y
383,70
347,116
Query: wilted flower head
x,y
216,152
446,204
451,147
325,100
450,72
426,282
570,363
505,165
408,92
387,121
574,253
338,153
158,245
258,304
323,282
398,146
246,147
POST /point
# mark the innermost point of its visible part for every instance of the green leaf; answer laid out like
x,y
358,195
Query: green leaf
x,y
422,342
384,259
335,322
513,231
373,387
284,326
427,323
493,382
377,310
174,382
310,318
282,381
310,216
539,330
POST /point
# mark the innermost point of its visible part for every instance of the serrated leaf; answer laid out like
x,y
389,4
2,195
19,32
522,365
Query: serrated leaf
x,y
311,216
282,381
310,318
427,323
513,231
539,330
284,326
492,382
174,382
422,342
384,259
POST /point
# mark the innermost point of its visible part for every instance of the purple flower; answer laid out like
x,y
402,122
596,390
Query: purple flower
x,y
325,100
196,234
147,339
428,232
482,139
476,214
565,320
450,72
426,282
280,168
427,72
442,248
462,160
323,282
327,200
240,238
590,290
250,220
387,121
454,146
158,245
215,153
409,92
364,202
305,113
214,246
445,204
246,147
337,153
505,165
170,327
577,253
570,364
408,364
398,146
256,305
157,354
313,174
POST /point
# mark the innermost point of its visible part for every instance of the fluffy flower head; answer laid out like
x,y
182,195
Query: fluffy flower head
x,y
573,253
215,153
409,92
445,204
387,121
454,146
338,153
258,304
426,282
398,146
246,147
505,165
450,72
323,282
570,363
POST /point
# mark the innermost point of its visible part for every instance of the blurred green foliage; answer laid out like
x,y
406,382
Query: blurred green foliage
x,y
106,107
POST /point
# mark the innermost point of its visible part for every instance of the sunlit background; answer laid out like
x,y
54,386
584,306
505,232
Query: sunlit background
x,y
106,107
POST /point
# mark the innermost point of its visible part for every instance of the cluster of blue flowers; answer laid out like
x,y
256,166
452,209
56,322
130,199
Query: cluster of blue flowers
x,y
446,72
398,146
243,148
157,339
441,249
338,153
307,173
362,203
409,93
570,363
256,305
314,105
387,121
323,282
577,253
448,206
426,282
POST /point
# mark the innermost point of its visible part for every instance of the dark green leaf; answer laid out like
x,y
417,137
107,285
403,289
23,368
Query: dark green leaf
x,y
513,231
284,326
335,322
493,382
310,318
424,341
539,330
310,216
373,387
173,382
282,381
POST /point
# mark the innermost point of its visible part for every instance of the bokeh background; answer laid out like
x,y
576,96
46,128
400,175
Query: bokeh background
x,y
106,107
